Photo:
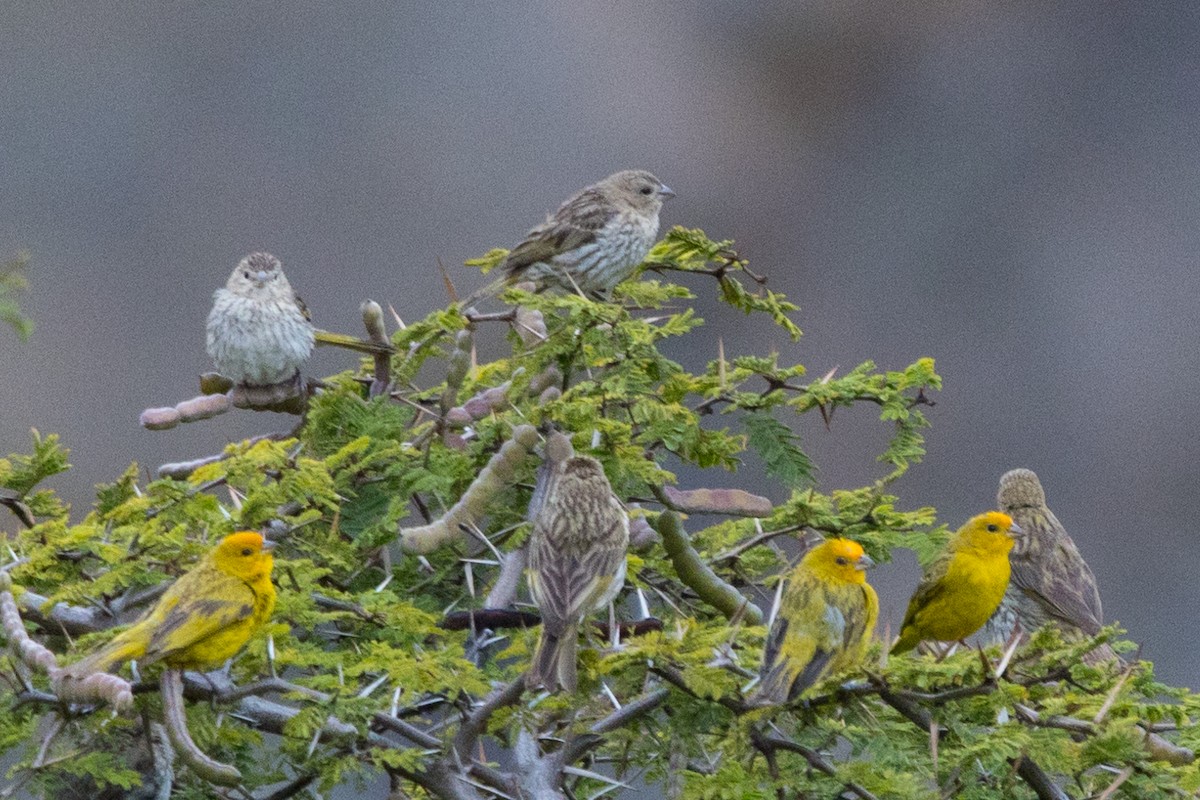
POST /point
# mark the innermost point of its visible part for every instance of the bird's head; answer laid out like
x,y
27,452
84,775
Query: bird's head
x,y
840,560
993,532
244,555
1020,488
638,189
257,273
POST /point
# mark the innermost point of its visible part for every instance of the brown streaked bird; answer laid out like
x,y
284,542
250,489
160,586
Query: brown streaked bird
x,y
595,240
1050,580
576,559
259,331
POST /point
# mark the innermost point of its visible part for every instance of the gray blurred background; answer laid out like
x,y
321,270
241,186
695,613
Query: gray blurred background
x,y
1011,188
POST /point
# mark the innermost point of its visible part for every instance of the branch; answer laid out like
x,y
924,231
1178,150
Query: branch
x,y
728,502
501,618
372,315
1038,780
474,725
767,745
494,477
692,570
633,710
1027,768
175,720
181,470
504,590
13,502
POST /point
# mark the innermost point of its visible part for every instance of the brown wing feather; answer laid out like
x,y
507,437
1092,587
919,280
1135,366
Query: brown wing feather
x,y
1065,586
303,308
575,224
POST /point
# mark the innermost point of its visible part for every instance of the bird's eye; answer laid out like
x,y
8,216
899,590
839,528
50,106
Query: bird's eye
x,y
841,560
247,275
993,528
246,551
646,190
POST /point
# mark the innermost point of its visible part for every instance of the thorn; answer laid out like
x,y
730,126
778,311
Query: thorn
x,y
614,630
1002,667
775,603
933,744
721,381
313,744
375,684
643,606
446,280
1112,694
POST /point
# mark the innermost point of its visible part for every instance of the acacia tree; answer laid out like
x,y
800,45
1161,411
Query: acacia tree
x,y
400,637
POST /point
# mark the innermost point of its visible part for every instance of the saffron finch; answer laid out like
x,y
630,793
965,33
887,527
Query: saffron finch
x,y
1050,580
204,618
576,558
963,586
595,240
823,623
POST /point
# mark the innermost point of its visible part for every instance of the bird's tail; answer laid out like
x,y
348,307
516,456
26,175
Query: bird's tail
x,y
553,664
773,689
124,647
351,343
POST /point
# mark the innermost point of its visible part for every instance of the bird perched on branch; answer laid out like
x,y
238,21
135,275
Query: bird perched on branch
x,y
593,241
204,618
576,557
823,623
963,586
1050,580
259,331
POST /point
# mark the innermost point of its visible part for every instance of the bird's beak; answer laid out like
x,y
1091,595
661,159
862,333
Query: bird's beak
x,y
1015,530
665,192
864,563
261,277
268,545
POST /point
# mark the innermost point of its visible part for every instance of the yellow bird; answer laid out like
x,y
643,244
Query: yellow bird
x,y
964,585
824,621
204,618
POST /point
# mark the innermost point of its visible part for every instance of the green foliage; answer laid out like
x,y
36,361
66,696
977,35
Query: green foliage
x,y
778,446
12,283
358,635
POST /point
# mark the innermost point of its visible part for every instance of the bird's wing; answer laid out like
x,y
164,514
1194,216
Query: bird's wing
x,y
568,585
859,600
303,308
202,608
806,634
573,225
1062,581
931,587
